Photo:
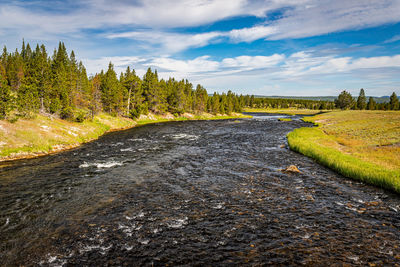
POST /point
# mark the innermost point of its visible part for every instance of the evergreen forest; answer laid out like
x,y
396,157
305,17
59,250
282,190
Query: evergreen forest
x,y
32,81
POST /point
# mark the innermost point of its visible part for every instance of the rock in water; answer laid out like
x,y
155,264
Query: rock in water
x,y
291,169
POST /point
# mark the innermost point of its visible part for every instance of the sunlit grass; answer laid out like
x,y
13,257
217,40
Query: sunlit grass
x,y
43,135
364,145
284,119
288,111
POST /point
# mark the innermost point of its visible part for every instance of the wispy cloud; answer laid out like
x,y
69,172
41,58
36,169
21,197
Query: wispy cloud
x,y
299,18
393,39
167,41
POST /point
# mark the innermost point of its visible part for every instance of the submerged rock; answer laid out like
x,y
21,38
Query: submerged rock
x,y
291,169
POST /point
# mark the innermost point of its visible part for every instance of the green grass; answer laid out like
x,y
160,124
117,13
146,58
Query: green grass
x,y
284,119
288,111
363,145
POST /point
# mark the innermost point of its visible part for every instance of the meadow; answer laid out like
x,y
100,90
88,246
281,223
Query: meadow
x,y
363,145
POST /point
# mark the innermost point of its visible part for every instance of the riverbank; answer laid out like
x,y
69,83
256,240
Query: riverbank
x,y
45,135
288,111
363,145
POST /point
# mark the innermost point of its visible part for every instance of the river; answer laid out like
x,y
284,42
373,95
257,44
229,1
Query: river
x,y
206,193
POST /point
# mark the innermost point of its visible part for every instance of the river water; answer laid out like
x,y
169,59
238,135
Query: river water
x,y
204,193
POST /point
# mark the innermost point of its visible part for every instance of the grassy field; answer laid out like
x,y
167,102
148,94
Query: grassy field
x,y
284,119
288,111
364,145
43,135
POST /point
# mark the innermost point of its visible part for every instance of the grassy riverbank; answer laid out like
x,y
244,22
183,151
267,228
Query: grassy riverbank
x,y
288,111
44,135
363,145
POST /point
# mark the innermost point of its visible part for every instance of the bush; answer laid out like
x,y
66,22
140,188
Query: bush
x,y
138,110
67,113
81,116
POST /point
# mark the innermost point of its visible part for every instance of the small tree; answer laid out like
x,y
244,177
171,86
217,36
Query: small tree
x,y
371,104
344,100
362,100
394,102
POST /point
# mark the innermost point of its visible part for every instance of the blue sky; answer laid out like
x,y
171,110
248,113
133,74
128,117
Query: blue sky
x,y
264,47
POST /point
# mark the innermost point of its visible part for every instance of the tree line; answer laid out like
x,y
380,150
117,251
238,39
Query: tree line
x,y
282,103
31,81
346,101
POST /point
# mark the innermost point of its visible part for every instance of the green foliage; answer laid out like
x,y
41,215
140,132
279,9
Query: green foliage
x,y
80,116
344,100
281,103
138,110
6,100
362,100
371,104
394,102
67,113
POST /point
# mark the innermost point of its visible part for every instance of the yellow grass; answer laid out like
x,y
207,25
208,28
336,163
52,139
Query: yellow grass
x,y
364,145
43,135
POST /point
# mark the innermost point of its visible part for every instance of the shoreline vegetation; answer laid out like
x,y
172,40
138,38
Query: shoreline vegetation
x,y
286,111
362,145
45,135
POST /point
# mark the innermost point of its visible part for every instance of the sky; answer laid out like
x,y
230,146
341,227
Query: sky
x,y
261,47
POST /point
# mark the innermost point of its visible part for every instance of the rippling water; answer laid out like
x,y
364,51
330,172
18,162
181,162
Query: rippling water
x,y
192,193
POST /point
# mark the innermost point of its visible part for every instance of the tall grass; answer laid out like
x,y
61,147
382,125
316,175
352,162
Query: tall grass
x,y
315,143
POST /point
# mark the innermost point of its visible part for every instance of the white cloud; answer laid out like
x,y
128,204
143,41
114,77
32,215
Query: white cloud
x,y
169,42
393,39
251,34
184,67
253,62
300,18
322,17
94,66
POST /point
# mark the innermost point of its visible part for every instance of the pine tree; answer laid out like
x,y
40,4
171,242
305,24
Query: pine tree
x,y
361,100
5,94
111,90
371,104
215,104
344,100
94,96
394,102
155,96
